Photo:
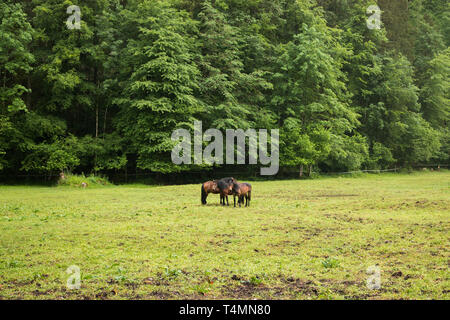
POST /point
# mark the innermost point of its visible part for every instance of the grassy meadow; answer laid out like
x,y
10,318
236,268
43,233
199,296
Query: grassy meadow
x,y
308,239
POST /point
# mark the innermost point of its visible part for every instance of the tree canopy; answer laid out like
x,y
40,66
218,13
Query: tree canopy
x,y
107,96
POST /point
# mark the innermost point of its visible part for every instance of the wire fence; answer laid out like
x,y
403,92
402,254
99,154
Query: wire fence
x,y
437,166
362,171
122,177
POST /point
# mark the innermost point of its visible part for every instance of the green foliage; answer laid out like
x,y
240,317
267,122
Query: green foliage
x,y
348,153
50,157
107,97
15,63
15,57
380,157
436,91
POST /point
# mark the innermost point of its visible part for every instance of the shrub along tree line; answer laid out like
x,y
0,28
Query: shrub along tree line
x,y
106,97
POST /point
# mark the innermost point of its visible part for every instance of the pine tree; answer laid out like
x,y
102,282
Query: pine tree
x,y
15,63
159,95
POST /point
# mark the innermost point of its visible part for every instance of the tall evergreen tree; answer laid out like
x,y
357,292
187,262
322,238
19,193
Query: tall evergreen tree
x,y
15,63
159,95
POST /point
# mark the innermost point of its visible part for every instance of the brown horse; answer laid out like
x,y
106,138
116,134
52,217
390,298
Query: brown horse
x,y
223,186
242,190
209,187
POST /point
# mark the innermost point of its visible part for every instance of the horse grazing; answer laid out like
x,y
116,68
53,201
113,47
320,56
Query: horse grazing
x,y
242,190
225,186
209,187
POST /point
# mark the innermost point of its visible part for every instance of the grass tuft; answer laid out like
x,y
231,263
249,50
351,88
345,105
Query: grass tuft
x,y
74,180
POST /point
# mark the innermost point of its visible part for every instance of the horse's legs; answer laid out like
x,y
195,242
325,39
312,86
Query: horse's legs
x,y
223,196
228,204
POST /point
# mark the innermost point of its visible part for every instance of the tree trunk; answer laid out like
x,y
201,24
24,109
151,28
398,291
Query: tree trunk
x,y
310,170
29,93
96,122
301,171
104,123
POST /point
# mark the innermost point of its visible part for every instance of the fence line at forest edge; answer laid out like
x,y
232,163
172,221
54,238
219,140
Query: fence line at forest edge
x,y
382,170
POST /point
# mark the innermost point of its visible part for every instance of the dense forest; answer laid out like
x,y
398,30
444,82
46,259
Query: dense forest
x,y
106,97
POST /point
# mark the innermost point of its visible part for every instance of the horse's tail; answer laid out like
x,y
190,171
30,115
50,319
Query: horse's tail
x,y
204,194
249,195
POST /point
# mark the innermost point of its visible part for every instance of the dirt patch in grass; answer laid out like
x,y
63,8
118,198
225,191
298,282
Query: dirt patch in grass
x,y
306,287
243,291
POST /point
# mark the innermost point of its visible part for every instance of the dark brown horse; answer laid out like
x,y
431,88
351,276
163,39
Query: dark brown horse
x,y
242,190
223,186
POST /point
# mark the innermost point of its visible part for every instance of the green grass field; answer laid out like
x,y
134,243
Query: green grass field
x,y
309,239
